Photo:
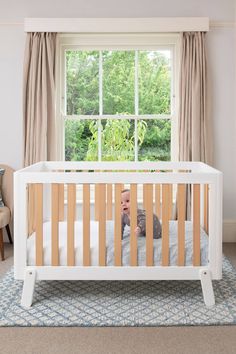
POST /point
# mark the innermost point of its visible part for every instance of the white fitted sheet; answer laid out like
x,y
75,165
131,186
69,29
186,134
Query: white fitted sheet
x,y
63,244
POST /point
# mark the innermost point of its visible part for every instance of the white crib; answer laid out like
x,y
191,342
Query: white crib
x,y
51,196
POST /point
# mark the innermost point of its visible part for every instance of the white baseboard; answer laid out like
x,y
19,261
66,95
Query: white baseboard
x,y
229,231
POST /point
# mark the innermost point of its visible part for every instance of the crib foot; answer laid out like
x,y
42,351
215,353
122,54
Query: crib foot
x,y
207,288
28,288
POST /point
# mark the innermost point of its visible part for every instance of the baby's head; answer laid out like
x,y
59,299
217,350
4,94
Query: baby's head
x,y
125,201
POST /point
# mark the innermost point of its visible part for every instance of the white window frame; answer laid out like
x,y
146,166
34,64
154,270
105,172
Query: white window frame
x,y
118,41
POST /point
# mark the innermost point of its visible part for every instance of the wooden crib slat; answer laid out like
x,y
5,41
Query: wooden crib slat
x,y
170,200
196,224
158,200
55,225
181,204
117,245
102,224
206,212
165,223
149,223
71,205
133,225
144,197
31,207
109,201
39,223
61,202
96,202
86,225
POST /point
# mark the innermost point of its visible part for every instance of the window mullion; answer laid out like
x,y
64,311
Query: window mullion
x,y
136,103
64,97
172,101
100,107
63,100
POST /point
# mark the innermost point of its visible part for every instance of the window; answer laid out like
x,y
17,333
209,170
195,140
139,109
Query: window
x,y
118,96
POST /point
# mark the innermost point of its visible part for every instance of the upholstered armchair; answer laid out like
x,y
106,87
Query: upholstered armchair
x,y
6,210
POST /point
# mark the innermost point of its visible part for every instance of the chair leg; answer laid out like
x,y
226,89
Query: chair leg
x,y
9,233
1,245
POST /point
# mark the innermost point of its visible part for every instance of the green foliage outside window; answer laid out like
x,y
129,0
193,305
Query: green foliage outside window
x,y
81,136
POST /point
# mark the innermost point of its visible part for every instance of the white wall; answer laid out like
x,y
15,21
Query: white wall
x,y
11,59
217,10
222,63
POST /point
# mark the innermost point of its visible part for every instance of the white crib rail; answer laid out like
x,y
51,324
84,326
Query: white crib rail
x,y
202,175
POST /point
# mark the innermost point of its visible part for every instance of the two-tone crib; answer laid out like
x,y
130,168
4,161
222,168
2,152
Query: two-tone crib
x,y
67,223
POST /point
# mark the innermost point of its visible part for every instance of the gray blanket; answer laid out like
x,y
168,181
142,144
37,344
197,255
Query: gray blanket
x,y
157,246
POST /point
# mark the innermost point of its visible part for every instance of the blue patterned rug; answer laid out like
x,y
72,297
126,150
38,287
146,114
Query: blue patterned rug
x,y
119,303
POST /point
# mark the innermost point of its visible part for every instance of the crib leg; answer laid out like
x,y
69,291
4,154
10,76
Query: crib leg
x,y
28,288
207,288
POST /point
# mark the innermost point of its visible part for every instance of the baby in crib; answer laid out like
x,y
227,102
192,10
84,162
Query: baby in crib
x,y
140,230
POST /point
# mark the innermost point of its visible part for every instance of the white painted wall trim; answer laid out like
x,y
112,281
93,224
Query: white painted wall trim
x,y
229,231
212,24
218,24
11,23
116,25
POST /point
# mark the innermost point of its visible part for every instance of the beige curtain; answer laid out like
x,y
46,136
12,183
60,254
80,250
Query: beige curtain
x,y
39,98
194,132
39,106
194,125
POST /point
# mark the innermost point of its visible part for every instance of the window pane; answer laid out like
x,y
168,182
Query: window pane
x,y
82,82
117,140
118,82
154,82
81,140
154,140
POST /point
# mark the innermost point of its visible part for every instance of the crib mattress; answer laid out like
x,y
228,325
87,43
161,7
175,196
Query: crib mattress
x,y
94,249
